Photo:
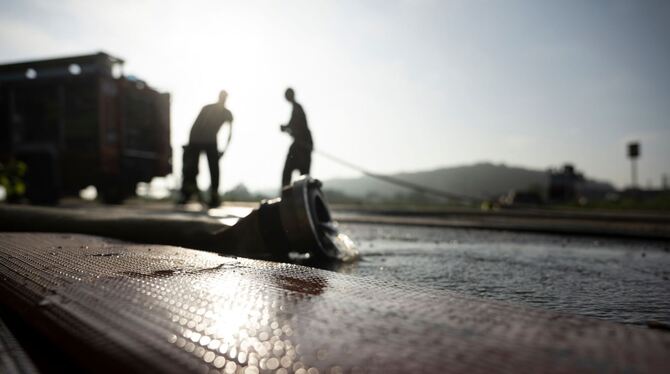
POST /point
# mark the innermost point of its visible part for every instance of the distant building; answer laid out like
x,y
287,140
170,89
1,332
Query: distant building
x,y
569,185
564,184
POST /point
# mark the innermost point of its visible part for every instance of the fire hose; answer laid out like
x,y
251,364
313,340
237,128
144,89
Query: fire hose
x,y
296,225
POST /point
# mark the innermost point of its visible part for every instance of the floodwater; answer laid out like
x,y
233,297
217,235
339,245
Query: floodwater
x,y
625,281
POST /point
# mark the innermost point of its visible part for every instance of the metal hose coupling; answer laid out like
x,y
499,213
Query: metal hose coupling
x,y
296,226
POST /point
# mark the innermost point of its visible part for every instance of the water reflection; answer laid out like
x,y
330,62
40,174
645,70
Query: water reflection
x,y
232,325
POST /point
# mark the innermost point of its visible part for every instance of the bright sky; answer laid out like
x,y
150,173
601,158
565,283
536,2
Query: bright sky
x,y
391,85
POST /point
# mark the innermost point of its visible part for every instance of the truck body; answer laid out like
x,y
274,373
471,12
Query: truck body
x,y
78,121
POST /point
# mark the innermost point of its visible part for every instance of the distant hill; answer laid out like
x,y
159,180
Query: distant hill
x,y
479,180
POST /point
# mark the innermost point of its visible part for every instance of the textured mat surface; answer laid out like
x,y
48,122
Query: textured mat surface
x,y
13,358
119,306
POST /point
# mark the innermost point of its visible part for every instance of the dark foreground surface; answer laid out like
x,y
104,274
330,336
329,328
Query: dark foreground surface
x,y
620,280
111,306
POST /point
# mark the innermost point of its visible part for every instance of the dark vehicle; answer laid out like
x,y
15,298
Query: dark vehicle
x,y
78,121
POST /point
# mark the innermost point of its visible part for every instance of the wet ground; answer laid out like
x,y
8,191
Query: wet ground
x,y
622,280
613,279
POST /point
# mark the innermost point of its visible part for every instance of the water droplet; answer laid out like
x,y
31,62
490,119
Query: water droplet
x,y
219,362
272,363
230,368
251,370
208,357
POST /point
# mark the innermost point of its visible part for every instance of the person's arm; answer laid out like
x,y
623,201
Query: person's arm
x,y
230,133
288,128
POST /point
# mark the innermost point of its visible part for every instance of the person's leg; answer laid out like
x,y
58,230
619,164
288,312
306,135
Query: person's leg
x,y
189,172
213,160
302,161
289,166
307,162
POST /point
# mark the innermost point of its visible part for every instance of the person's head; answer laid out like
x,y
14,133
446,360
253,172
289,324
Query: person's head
x,y
223,95
290,95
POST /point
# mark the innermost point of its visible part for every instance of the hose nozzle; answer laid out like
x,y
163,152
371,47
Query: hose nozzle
x,y
298,223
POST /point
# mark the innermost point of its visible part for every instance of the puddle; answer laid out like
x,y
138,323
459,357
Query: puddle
x,y
170,272
604,278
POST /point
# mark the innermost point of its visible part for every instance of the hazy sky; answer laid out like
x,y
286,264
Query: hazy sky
x,y
391,85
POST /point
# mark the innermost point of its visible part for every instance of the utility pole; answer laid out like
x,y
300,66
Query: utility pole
x,y
633,154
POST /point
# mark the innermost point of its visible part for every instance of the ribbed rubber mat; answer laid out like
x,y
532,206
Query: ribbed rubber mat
x,y
118,306
13,359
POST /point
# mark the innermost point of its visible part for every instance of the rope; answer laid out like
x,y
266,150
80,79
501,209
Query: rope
x,y
393,180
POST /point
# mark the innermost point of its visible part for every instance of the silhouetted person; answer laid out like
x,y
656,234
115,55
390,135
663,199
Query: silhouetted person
x,y
300,154
203,139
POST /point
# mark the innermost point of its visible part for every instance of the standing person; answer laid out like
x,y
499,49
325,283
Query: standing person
x,y
203,139
300,153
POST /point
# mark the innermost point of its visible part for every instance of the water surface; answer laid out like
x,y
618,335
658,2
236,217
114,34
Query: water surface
x,y
620,280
